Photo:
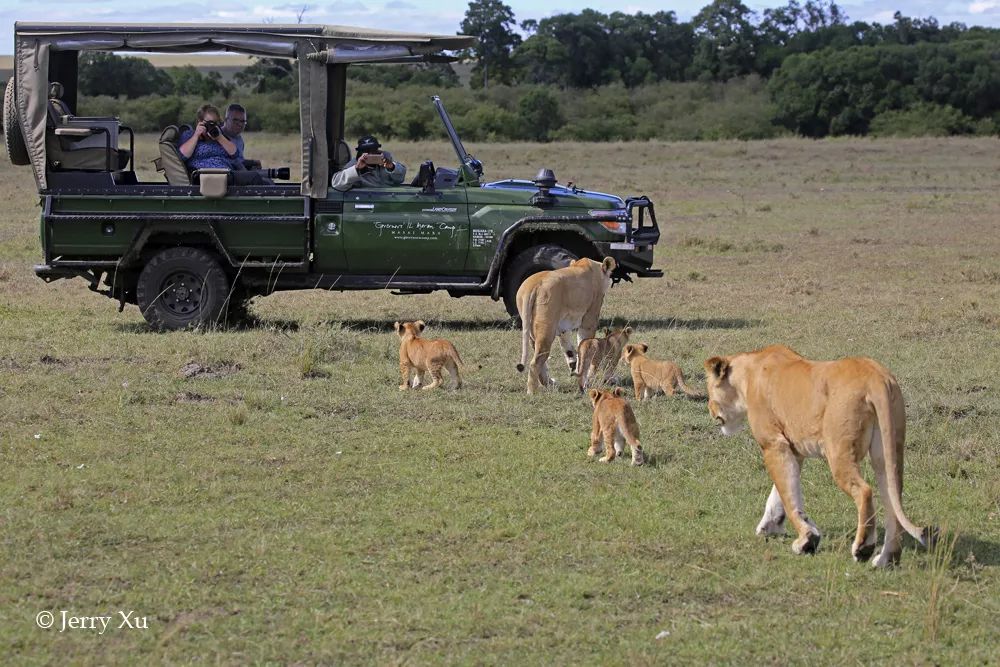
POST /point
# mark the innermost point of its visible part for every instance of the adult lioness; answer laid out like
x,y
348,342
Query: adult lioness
x,y
569,349
837,410
565,299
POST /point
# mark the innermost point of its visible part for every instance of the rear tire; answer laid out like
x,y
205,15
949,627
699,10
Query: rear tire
x,y
181,288
13,138
538,258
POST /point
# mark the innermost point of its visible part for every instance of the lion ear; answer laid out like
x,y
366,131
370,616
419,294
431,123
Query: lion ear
x,y
628,350
608,265
420,325
628,331
619,392
644,347
594,394
395,327
607,331
717,367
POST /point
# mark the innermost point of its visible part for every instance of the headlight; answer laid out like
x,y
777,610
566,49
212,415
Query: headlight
x,y
614,220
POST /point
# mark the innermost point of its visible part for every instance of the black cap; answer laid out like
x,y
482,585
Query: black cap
x,y
368,144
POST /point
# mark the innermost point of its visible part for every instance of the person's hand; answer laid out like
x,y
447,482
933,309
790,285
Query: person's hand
x,y
199,130
387,163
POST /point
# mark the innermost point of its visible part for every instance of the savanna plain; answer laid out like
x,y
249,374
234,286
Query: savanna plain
x,y
267,495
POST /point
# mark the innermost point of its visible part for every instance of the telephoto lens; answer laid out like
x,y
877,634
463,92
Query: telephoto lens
x,y
212,129
281,173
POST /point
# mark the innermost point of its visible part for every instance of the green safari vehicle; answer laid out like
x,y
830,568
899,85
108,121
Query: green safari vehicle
x,y
193,248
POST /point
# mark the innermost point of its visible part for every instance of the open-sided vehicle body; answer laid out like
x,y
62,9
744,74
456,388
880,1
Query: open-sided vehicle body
x,y
193,248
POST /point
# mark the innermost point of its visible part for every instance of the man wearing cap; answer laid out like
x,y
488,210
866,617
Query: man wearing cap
x,y
371,167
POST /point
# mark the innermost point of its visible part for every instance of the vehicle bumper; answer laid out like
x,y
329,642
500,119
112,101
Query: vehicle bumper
x,y
632,259
49,273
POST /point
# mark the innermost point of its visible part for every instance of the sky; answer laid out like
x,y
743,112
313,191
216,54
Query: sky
x,y
441,16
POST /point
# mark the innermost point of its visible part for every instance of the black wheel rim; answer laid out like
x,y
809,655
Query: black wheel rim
x,y
182,292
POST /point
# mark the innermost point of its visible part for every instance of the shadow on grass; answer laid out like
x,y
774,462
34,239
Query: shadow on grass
x,y
693,325
385,326
985,553
253,324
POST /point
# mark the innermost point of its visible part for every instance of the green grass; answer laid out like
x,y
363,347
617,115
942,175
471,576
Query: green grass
x,y
287,504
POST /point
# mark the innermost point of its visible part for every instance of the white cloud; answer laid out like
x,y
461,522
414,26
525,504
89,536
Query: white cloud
x,y
984,6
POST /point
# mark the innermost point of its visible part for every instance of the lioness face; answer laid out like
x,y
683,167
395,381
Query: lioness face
x,y
724,403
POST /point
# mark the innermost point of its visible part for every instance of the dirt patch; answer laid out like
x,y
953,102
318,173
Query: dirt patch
x,y
51,361
193,369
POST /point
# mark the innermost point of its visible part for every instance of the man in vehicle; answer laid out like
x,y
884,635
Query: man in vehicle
x,y
371,167
236,122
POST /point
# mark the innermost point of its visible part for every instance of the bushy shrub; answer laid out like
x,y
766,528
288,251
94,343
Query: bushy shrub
x,y
922,120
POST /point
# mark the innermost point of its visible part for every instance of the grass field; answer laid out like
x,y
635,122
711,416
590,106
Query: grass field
x,y
269,496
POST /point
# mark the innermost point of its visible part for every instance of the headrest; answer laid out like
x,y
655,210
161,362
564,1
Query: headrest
x,y
170,134
341,153
56,90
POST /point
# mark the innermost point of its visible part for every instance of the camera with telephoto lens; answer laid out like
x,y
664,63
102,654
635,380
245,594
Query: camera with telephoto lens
x,y
281,173
212,129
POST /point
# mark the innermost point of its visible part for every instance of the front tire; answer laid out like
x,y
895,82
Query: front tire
x,y
182,288
538,258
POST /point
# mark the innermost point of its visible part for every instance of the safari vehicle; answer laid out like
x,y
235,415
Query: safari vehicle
x,y
191,249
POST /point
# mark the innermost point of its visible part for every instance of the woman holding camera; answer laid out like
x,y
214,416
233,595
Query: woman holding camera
x,y
206,147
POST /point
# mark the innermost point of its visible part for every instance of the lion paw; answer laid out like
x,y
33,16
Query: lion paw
x,y
606,459
404,387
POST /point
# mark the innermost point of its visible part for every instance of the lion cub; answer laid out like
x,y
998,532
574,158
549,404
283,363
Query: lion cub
x,y
614,425
425,356
650,376
600,353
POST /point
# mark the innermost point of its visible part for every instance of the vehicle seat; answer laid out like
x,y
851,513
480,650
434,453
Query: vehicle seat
x,y
170,162
77,143
341,155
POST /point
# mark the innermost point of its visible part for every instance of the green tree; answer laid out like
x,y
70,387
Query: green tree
x,y
727,41
539,114
492,22
188,80
108,74
270,75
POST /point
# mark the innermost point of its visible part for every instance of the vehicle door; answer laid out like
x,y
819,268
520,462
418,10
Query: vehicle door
x,y
404,231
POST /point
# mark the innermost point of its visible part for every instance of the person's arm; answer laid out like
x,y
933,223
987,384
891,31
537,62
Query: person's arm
x,y
398,172
188,145
227,145
346,177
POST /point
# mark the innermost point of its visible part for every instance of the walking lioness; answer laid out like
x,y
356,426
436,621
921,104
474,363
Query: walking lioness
x,y
837,410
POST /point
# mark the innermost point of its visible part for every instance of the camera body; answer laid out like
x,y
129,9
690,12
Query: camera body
x,y
212,129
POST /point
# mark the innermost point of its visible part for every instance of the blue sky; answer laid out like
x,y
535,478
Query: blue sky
x,y
442,16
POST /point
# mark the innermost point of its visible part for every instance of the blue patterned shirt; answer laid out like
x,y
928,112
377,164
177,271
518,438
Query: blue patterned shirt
x,y
207,154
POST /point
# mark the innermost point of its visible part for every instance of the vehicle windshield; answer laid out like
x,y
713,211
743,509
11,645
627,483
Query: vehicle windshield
x,y
470,163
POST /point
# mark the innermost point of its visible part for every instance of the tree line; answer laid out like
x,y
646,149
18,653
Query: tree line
x,y
729,72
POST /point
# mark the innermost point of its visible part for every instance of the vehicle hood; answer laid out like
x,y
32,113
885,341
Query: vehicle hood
x,y
517,191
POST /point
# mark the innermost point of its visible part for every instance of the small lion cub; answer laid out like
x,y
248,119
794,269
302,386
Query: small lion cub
x,y
596,354
614,425
425,356
650,376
